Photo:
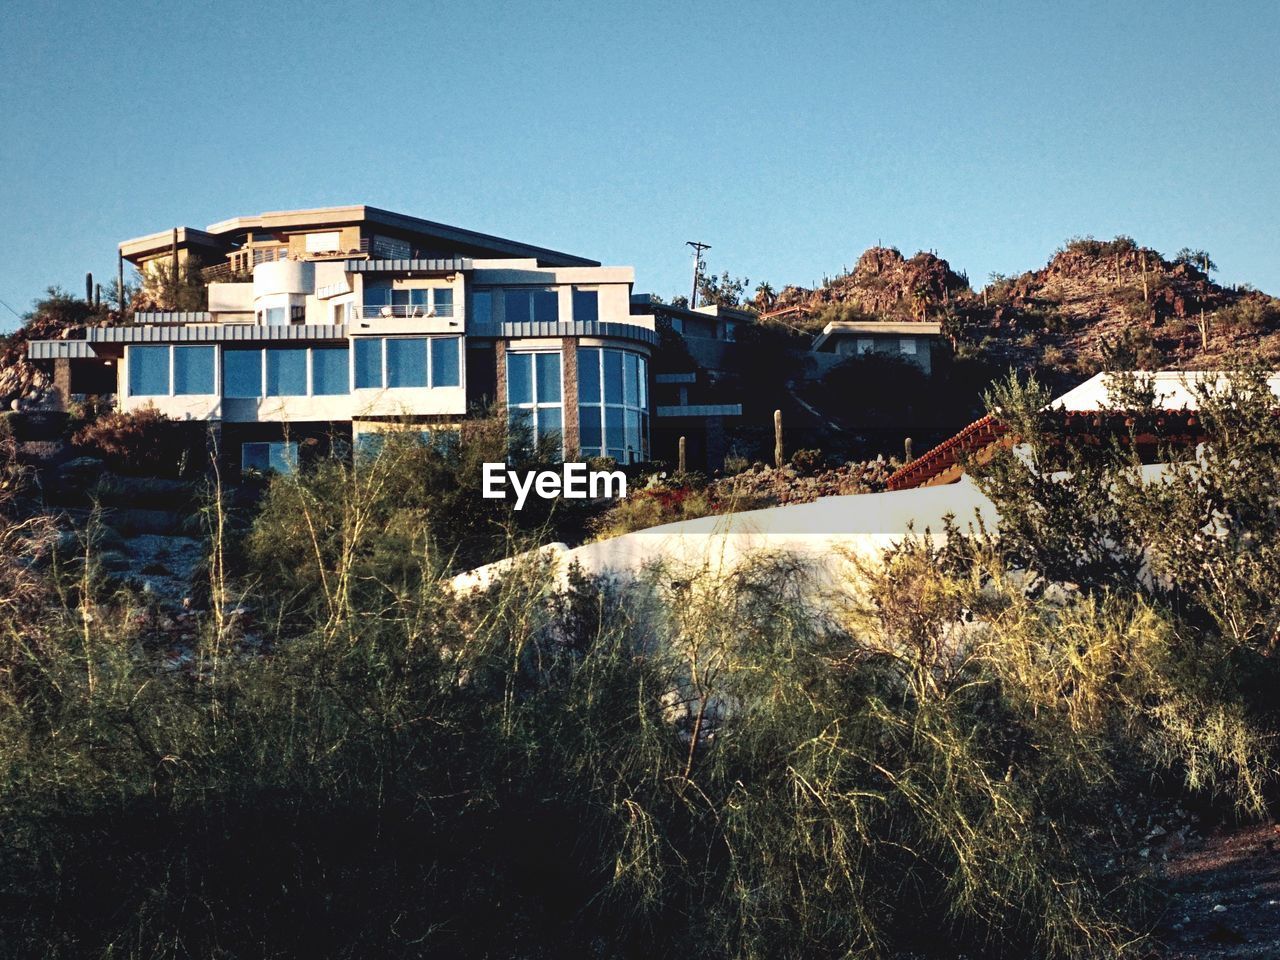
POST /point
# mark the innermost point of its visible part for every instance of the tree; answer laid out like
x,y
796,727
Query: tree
x,y
1195,258
723,291
765,298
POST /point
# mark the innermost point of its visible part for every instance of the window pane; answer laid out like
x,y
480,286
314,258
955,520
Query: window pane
x,y
589,376
149,371
517,302
615,439
283,457
644,382
589,428
612,376
368,363
549,423
369,446
444,362
633,436
630,379
482,307
444,303
242,373
329,371
420,298
376,294
548,377
546,305
254,457
407,363
519,378
586,306
521,423
286,372
276,316
193,370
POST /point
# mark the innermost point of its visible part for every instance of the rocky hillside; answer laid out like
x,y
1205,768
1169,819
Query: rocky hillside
x,y
1094,303
883,285
57,317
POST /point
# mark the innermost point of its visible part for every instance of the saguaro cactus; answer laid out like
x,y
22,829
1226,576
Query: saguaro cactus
x,y
777,438
681,456
906,450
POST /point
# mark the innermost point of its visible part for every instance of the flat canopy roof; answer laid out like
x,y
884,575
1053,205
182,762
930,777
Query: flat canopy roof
x,y
871,328
220,234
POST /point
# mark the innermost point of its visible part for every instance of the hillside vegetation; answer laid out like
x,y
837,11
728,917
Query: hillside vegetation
x,y
1094,305
964,757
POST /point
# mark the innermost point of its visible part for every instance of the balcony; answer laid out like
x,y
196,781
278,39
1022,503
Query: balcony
x,y
400,311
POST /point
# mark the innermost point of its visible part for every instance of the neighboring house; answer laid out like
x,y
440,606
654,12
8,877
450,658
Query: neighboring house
x,y
690,401
916,342
368,320
1087,409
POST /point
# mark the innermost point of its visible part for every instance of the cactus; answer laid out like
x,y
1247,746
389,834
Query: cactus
x,y
906,450
777,438
681,460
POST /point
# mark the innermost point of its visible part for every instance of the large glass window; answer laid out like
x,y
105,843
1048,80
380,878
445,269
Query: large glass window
x,y
368,363
286,372
613,412
482,307
329,371
410,362
547,377
380,298
586,305
276,316
270,457
193,370
242,373
148,371
407,362
541,306
519,378
445,368
530,376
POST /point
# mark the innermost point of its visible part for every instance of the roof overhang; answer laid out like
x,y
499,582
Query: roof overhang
x,y
293,221
874,328
157,244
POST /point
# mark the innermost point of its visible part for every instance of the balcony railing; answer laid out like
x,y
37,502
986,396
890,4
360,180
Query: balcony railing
x,y
401,311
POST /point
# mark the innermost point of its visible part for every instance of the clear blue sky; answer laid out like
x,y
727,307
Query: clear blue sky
x,y
788,136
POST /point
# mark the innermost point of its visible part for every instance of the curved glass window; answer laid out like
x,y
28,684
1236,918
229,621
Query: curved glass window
x,y
613,404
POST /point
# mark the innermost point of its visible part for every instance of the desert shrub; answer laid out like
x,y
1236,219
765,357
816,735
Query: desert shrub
x,y
808,460
145,443
1250,315
646,508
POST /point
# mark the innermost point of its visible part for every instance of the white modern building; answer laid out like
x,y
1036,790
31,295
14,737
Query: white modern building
x,y
354,318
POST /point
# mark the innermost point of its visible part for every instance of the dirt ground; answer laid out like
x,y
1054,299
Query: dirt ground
x,y
1225,897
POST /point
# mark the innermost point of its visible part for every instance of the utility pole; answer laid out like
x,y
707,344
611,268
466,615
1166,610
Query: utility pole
x,y
698,247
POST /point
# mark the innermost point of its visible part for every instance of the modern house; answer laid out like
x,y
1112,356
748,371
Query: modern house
x,y
914,341
362,319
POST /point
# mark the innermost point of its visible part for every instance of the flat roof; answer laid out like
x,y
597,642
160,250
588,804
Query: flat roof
x,y
862,328
277,221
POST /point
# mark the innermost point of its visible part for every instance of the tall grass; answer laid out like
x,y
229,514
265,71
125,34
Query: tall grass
x,y
368,765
